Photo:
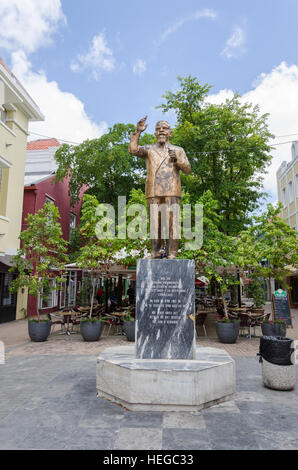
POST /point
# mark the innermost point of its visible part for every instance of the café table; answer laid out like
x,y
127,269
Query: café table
x,y
67,316
118,317
84,309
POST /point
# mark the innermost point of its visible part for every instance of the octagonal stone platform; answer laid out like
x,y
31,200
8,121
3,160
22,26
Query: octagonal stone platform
x,y
165,385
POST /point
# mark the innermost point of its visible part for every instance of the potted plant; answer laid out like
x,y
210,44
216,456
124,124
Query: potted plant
x,y
39,329
129,326
94,257
275,327
91,328
40,265
227,330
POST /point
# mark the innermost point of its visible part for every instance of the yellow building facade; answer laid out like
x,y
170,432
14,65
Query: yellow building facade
x,y
287,188
16,110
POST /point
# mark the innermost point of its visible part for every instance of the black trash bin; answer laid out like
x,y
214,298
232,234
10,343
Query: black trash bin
x,y
276,349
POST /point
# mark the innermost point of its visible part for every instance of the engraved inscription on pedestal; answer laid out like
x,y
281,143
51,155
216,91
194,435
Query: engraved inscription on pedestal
x,y
165,309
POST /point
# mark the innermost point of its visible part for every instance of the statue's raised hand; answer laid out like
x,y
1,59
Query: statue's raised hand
x,y
141,126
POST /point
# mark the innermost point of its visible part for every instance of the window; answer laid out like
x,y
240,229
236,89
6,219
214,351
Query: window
x,y
4,173
48,296
63,295
284,196
72,288
72,224
3,115
50,199
291,196
297,185
6,297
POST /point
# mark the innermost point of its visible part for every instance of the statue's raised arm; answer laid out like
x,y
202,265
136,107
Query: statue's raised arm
x,y
141,126
134,136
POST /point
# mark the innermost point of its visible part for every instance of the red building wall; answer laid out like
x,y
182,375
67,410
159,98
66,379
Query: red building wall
x,y
35,197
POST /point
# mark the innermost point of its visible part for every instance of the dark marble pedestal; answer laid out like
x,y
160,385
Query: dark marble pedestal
x,y
165,309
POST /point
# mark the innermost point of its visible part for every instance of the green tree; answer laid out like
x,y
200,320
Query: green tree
x,y
96,255
227,146
269,247
43,254
216,258
104,165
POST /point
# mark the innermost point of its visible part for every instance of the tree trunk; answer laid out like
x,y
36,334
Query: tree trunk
x,y
119,290
106,294
92,298
234,294
224,302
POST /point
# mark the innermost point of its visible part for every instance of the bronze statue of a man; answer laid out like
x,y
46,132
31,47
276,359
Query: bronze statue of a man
x,y
163,185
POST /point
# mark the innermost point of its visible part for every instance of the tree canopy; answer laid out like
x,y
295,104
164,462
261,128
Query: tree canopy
x,y
269,247
227,146
43,253
104,165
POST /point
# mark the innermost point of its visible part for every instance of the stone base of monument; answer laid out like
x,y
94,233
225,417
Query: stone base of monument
x,y
165,385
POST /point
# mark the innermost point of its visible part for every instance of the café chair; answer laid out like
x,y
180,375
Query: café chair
x,y
200,320
245,322
76,317
257,320
56,319
233,315
112,321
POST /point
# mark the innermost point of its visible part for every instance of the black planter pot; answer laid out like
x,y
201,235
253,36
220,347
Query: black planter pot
x,y
39,331
129,329
269,329
91,330
276,349
227,332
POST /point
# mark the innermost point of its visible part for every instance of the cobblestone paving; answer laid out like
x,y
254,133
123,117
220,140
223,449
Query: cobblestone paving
x,y
17,343
71,345
49,402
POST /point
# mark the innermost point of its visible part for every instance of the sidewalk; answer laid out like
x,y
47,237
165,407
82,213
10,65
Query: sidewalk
x,y
17,342
48,401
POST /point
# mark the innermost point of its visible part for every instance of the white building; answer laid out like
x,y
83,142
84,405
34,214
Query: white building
x,y
287,187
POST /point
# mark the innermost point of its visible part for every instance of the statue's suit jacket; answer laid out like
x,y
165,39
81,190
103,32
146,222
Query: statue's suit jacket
x,y
162,175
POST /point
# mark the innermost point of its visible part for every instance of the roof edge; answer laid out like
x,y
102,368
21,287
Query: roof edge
x,y
27,103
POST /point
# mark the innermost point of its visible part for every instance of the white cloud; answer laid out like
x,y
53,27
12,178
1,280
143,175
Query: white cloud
x,y
99,58
65,115
28,24
25,26
235,44
139,67
276,93
220,97
197,15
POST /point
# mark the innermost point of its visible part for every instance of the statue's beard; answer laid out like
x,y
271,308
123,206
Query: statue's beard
x,y
162,139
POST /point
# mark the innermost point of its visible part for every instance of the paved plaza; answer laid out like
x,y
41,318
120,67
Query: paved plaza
x,y
48,401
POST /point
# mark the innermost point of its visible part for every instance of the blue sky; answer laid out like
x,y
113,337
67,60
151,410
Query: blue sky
x,y
89,64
